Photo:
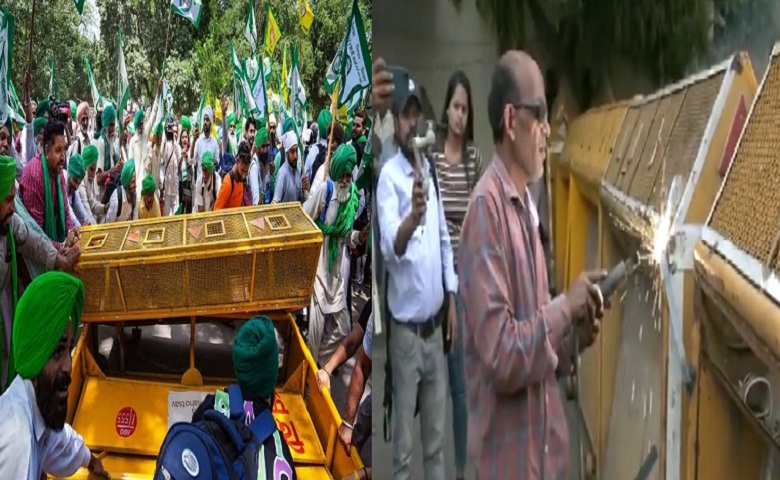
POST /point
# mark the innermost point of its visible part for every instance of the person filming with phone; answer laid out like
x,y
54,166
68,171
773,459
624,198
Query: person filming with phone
x,y
422,283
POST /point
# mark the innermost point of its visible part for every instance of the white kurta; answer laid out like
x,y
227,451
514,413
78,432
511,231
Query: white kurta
x,y
329,287
27,447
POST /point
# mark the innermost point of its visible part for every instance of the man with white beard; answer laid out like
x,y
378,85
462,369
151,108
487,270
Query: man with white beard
x,y
333,204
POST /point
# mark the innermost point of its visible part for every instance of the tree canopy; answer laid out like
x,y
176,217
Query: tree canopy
x,y
661,39
197,60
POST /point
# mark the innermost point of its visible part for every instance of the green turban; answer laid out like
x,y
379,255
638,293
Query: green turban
x,y
185,123
43,108
256,356
109,116
51,300
148,186
207,161
128,172
231,120
158,129
261,136
323,122
89,155
73,108
287,125
139,117
38,124
7,175
343,161
76,168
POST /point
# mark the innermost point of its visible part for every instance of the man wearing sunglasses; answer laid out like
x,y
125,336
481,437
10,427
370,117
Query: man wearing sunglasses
x,y
516,339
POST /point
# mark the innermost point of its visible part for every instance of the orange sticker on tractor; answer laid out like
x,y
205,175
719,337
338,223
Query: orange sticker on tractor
x,y
126,421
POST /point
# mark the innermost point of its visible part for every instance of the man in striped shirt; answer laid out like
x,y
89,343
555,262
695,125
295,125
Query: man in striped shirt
x,y
516,338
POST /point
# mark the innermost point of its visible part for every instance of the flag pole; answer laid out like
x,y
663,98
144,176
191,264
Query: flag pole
x,y
32,31
334,113
167,31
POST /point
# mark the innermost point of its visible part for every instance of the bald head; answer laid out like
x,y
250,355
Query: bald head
x,y
516,79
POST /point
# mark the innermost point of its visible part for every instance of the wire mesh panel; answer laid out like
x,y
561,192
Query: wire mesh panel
x,y
748,210
687,134
622,145
246,259
653,155
636,144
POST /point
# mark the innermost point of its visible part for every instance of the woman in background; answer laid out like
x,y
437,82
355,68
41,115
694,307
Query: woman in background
x,y
458,168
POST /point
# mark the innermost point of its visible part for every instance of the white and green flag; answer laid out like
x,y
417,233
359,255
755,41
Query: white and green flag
x,y
199,116
297,93
92,86
6,54
79,6
15,109
164,104
123,86
189,9
355,72
250,30
332,75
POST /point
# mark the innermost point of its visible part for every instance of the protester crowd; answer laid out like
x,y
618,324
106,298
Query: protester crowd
x,y
74,166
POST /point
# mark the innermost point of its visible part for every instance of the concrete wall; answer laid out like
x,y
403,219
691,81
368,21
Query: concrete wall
x,y
433,40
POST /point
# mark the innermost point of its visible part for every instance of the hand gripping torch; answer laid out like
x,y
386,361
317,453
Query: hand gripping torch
x,y
618,275
608,286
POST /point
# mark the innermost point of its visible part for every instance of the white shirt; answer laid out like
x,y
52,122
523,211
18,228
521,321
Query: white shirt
x,y
313,152
115,214
27,447
206,196
170,158
329,286
202,146
414,290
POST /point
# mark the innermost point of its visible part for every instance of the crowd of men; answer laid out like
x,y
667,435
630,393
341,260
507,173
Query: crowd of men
x,y
72,167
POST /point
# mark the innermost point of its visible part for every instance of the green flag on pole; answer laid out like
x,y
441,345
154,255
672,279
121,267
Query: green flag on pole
x,y
297,95
355,73
79,6
123,86
250,30
189,9
6,54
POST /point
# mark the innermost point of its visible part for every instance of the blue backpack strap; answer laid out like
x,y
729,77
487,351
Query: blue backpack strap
x,y
328,196
236,401
264,426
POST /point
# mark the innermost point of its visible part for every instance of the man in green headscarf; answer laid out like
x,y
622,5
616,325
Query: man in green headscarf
x,y
256,365
231,124
17,237
109,162
76,172
153,160
150,207
333,204
123,203
38,125
35,441
207,186
259,171
88,190
43,190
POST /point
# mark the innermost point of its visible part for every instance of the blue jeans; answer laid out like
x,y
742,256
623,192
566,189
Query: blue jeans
x,y
458,394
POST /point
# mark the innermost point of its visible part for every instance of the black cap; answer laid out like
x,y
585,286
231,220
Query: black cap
x,y
404,90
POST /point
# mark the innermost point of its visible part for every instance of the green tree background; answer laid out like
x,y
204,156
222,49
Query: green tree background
x,y
198,60
662,40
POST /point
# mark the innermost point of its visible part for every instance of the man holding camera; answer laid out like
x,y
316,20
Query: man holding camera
x,y
415,246
171,156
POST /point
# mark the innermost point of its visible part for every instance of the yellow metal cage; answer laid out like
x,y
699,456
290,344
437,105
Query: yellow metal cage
x,y
251,259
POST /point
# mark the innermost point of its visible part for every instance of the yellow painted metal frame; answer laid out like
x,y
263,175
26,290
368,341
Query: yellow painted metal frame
x,y
133,464
608,144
